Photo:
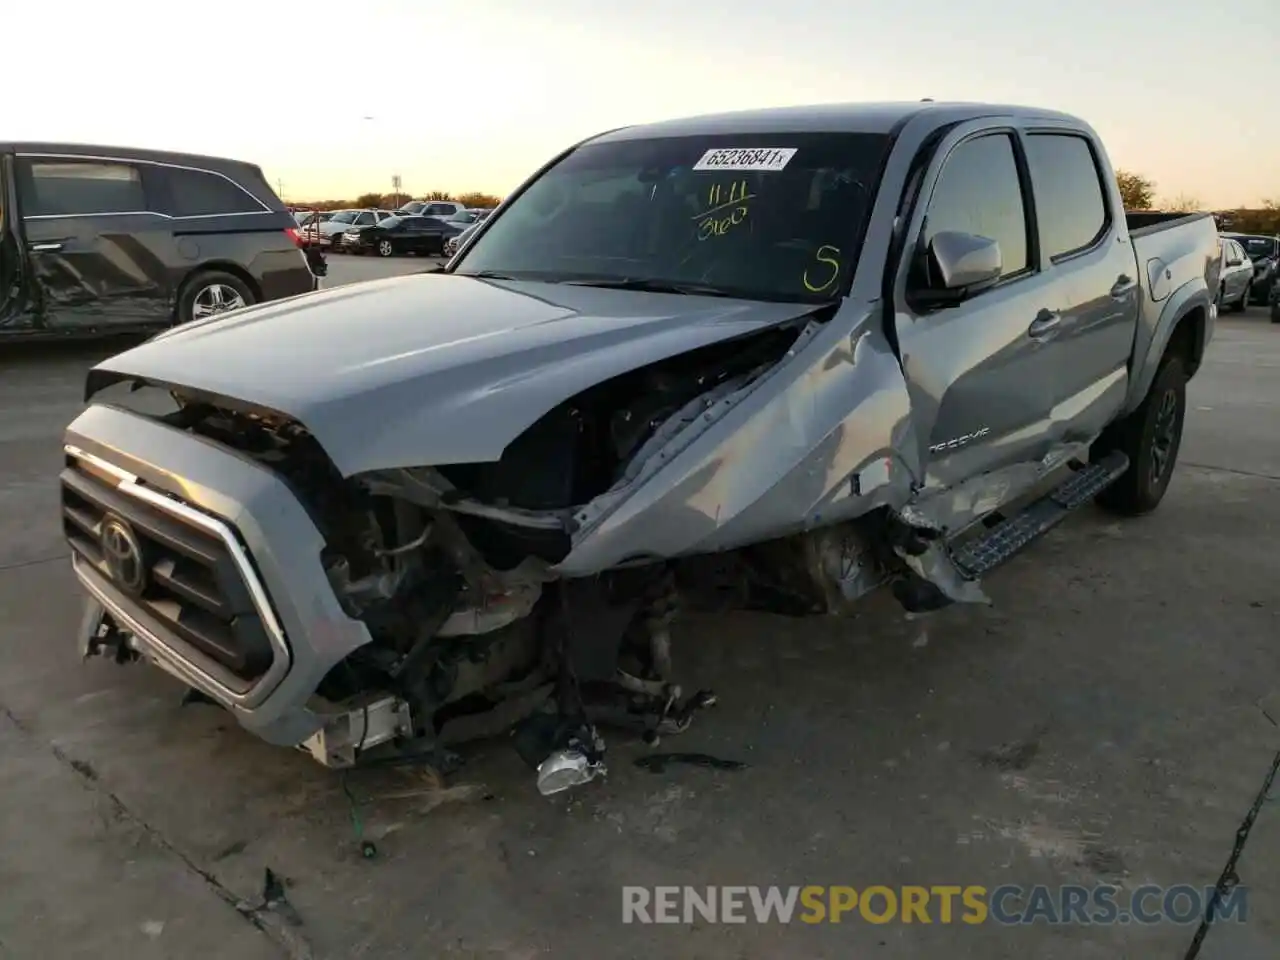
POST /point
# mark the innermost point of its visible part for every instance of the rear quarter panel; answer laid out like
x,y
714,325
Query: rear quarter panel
x,y
1178,268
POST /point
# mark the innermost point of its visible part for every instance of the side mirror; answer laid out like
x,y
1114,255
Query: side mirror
x,y
958,266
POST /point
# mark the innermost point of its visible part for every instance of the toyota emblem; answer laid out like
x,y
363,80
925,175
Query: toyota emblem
x,y
123,555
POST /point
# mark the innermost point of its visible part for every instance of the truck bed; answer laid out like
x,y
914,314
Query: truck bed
x,y
1145,222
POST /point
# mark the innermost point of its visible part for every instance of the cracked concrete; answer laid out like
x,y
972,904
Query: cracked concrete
x,y
1105,721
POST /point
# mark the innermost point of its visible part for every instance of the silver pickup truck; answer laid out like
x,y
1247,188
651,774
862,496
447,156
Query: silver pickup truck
x,y
781,358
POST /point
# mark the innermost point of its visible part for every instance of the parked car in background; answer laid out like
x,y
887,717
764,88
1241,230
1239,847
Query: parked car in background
x,y
1236,278
458,239
109,239
307,217
422,235
328,233
1264,251
431,208
465,218
895,344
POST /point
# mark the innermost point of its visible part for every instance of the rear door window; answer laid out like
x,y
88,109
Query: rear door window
x,y
199,193
1070,204
980,191
58,187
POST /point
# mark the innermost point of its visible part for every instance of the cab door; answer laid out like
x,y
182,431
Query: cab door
x,y
96,248
1088,258
980,372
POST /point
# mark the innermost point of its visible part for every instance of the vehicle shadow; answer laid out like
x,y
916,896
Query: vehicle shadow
x,y
20,353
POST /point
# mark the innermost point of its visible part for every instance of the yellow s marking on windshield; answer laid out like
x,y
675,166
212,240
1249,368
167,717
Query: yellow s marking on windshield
x,y
726,208
829,257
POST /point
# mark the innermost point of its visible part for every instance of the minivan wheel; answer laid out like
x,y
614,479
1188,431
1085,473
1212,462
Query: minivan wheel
x,y
385,248
210,293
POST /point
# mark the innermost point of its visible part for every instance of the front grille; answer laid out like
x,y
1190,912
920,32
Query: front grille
x,y
192,587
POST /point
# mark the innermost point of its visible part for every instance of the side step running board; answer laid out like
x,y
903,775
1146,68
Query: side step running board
x,y
983,553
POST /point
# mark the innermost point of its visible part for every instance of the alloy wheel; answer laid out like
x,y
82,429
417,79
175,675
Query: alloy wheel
x,y
214,299
1164,435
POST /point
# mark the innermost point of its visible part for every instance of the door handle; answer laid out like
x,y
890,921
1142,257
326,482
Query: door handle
x,y
1045,323
1123,284
45,247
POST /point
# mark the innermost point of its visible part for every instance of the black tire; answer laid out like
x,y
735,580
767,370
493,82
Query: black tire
x,y
1275,311
1151,437
197,286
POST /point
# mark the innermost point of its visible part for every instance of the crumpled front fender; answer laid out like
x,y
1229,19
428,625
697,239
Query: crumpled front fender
x,y
820,438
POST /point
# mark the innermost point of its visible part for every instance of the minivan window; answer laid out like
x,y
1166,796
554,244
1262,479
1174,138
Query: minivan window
x,y
79,187
980,191
1070,204
196,193
776,216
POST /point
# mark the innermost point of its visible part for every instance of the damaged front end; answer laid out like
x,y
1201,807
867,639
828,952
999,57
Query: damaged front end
x,y
537,591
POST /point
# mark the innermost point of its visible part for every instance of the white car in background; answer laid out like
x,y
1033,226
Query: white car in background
x,y
1236,277
329,233
441,209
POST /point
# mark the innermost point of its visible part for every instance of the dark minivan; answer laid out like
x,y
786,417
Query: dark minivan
x,y
106,239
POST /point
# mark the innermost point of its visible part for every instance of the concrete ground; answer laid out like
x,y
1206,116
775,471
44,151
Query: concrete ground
x,y
1110,719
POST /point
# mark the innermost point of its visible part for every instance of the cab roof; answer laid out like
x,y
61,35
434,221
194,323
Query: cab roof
x,y
829,118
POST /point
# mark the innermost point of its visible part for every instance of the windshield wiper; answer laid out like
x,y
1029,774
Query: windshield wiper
x,y
658,286
489,275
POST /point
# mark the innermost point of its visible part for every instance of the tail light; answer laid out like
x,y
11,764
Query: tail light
x,y
292,233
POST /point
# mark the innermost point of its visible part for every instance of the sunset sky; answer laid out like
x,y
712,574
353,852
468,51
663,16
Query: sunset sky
x,y
474,95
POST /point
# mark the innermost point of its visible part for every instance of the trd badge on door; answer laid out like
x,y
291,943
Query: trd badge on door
x,y
957,442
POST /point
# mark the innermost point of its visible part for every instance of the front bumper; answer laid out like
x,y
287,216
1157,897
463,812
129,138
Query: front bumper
x,y
154,475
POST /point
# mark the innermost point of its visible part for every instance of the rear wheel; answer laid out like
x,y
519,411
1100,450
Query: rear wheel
x,y
1275,311
1150,437
211,292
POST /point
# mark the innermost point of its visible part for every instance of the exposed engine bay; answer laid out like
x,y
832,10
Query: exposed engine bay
x,y
451,569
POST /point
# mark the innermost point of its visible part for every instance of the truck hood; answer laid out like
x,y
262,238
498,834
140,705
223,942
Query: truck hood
x,y
431,369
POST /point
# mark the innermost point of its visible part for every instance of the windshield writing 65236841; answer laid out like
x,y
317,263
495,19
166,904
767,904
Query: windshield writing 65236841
x,y
727,207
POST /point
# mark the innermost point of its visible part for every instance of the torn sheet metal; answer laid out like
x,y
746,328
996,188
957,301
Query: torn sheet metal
x,y
936,566
778,456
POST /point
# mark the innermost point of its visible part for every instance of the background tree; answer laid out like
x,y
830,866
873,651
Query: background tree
x,y
1136,191
437,195
369,200
477,199
1183,203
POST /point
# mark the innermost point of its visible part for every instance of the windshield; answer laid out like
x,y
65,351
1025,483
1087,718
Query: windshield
x,y
414,206
392,221
1258,248
346,216
762,216
462,216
